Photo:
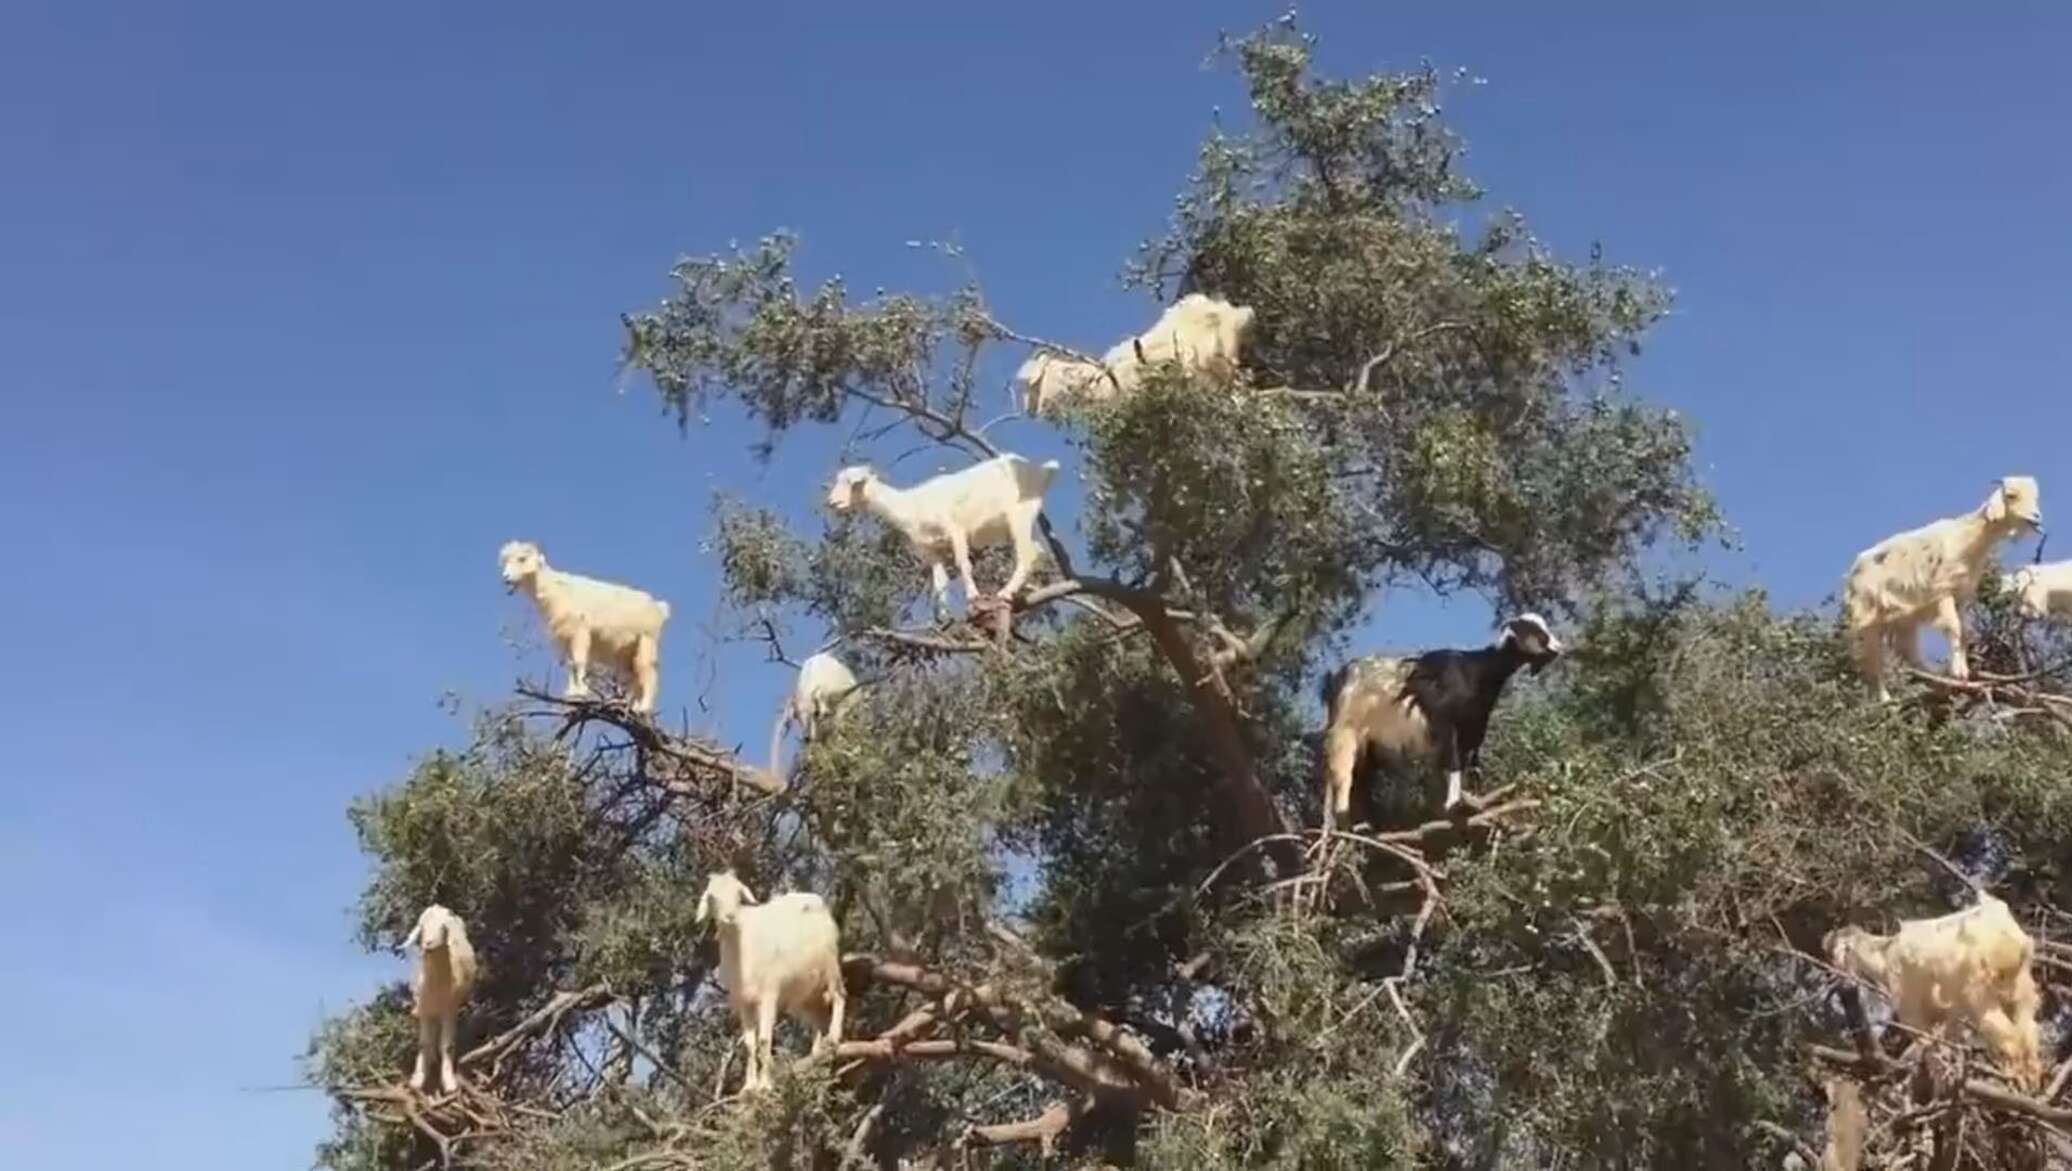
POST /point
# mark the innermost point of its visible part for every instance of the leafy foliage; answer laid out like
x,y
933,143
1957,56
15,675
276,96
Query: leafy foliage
x,y
1066,856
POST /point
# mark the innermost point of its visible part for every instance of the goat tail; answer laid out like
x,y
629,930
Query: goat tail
x,y
663,607
1333,681
777,738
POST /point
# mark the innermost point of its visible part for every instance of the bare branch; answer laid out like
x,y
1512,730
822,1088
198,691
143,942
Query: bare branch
x,y
930,643
542,1020
1388,352
852,1155
662,1067
697,762
1118,1064
1043,1130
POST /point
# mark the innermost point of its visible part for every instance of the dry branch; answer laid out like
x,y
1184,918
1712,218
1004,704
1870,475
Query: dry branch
x,y
542,1020
1110,1064
2003,691
1043,1130
696,765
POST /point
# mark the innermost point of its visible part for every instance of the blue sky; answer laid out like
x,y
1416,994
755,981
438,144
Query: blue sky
x,y
303,313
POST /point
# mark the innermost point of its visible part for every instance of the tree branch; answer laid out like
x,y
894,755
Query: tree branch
x,y
1117,1064
934,644
541,1020
662,1067
697,762
1245,811
1043,1130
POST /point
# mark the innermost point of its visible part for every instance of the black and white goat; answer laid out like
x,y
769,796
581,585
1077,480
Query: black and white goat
x,y
1435,705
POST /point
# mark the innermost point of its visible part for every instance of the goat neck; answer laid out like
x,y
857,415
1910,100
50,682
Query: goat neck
x,y
533,584
1982,532
889,502
1508,657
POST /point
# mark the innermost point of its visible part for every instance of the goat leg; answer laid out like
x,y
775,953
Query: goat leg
x,y
1453,770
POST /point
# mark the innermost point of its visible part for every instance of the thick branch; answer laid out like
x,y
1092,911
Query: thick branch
x,y
1043,1130
926,643
1244,809
883,1049
2002,690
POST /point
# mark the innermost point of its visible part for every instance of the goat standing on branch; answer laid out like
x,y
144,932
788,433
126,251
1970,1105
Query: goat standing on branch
x,y
1203,335
1926,575
989,503
1971,965
592,621
1437,704
440,984
783,954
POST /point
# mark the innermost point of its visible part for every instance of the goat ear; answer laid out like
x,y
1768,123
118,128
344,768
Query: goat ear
x,y
1996,505
704,907
410,940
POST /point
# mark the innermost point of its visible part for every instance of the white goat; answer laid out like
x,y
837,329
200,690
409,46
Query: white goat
x,y
1049,380
2043,590
1203,334
1925,575
823,685
783,954
444,977
985,504
592,621
1970,965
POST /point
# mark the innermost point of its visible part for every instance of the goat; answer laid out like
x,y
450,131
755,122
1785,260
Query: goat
x,y
1970,965
1049,379
1437,704
1925,575
783,954
444,977
987,503
2043,590
823,686
1203,334
592,621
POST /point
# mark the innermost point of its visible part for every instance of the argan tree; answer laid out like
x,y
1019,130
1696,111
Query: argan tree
x,y
1069,840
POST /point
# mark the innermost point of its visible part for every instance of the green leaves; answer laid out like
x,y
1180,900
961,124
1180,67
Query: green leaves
x,y
739,325
1430,396
1487,447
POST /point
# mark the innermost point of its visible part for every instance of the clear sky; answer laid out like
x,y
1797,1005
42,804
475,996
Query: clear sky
x,y
303,311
